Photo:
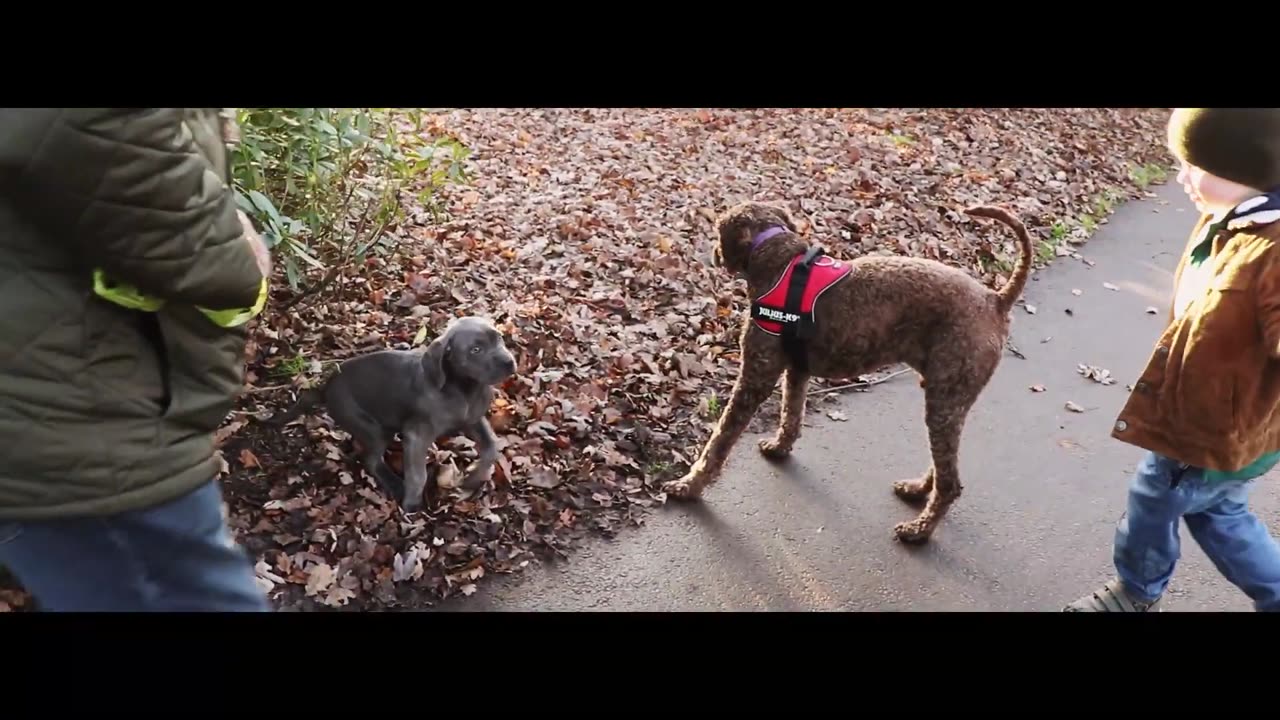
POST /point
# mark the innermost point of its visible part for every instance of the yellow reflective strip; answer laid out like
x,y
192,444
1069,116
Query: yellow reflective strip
x,y
239,316
124,295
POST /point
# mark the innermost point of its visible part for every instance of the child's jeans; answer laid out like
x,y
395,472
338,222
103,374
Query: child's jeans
x,y
1147,546
178,556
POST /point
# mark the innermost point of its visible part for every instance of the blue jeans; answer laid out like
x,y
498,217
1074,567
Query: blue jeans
x,y
175,557
1164,492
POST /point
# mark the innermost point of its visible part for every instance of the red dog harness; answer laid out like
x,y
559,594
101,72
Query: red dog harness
x,y
787,309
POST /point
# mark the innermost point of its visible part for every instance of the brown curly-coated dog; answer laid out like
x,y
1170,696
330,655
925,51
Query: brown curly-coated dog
x,y
936,319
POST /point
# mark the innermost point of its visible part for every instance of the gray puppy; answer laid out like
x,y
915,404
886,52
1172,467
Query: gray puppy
x,y
423,395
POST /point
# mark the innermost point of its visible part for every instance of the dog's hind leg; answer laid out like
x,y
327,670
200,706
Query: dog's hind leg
x,y
950,394
761,367
945,421
373,440
793,402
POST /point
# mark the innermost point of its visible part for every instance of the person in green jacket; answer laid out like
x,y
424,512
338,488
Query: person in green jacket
x,y
126,277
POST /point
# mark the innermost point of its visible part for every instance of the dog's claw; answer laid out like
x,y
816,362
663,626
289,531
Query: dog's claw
x,y
774,450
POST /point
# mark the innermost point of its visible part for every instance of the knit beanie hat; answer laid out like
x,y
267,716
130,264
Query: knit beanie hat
x,y
1237,144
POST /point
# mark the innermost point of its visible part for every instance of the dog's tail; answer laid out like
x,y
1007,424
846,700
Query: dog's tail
x,y
1012,290
307,399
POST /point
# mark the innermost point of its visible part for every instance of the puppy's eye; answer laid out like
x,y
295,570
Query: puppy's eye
x,y
475,350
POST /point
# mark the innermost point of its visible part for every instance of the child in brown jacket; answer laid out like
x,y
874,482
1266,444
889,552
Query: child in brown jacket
x,y
1207,407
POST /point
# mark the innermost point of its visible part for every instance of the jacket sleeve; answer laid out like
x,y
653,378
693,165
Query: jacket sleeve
x,y
129,190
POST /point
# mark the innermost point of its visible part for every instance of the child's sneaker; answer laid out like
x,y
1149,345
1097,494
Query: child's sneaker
x,y
1112,597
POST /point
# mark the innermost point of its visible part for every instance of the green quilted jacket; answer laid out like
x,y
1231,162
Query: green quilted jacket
x,y
104,408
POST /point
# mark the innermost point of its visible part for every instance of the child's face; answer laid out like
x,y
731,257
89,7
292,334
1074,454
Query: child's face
x,y
1211,193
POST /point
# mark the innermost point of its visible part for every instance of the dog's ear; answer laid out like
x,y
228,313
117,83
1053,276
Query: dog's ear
x,y
433,362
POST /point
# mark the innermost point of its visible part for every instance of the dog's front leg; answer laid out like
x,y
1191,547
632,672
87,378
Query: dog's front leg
x,y
418,437
487,449
793,402
762,364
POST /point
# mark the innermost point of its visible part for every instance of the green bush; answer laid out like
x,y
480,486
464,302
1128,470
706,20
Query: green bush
x,y
327,185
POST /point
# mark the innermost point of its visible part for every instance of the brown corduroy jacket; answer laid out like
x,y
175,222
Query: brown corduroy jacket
x,y
1210,393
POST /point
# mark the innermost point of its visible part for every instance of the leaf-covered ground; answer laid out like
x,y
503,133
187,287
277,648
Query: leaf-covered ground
x,y
585,235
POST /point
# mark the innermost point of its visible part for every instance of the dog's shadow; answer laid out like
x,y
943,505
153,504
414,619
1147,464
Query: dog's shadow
x,y
750,568
819,495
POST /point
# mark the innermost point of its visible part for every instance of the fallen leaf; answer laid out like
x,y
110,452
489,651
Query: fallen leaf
x,y
248,459
338,597
1096,374
320,577
13,599
1077,292
263,571
1031,309
1074,407
421,335
226,431
407,566
544,478
1037,388
1152,310
448,477
837,415
1109,286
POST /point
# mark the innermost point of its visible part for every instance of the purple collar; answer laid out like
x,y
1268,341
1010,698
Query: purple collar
x,y
765,235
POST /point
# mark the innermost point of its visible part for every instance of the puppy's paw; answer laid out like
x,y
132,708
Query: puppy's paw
x,y
913,532
684,488
774,449
913,490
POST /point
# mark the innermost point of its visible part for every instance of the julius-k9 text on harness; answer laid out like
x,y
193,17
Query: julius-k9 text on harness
x,y
787,309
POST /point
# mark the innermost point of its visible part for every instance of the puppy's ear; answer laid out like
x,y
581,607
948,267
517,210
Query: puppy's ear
x,y
433,362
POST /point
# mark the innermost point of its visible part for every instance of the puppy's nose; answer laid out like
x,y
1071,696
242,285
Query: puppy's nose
x,y
509,365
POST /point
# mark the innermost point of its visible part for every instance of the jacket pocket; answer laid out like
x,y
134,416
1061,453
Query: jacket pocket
x,y
126,366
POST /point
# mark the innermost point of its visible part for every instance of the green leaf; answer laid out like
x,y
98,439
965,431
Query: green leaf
x,y
263,203
421,336
301,251
291,271
245,204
